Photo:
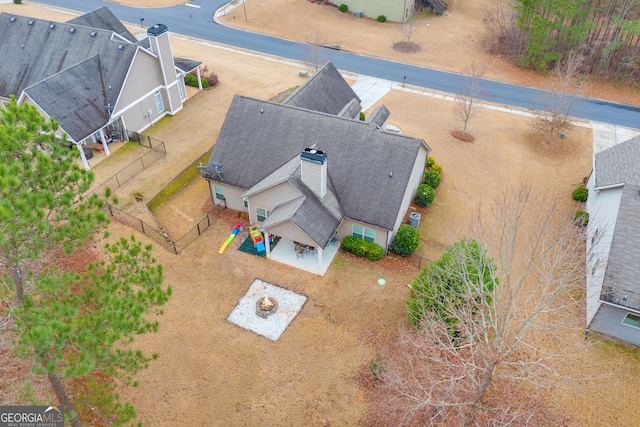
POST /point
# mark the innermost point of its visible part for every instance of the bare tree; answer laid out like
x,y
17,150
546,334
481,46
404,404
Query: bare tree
x,y
409,24
315,54
471,93
557,103
475,360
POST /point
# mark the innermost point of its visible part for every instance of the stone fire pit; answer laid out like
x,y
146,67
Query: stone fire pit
x,y
267,309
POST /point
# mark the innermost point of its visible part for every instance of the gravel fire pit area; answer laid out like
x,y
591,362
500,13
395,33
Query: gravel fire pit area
x,y
267,309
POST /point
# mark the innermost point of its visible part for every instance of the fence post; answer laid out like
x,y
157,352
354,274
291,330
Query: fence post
x,y
142,225
198,225
208,221
110,211
174,248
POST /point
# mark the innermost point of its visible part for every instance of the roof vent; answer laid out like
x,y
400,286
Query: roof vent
x,y
120,46
93,33
52,26
31,21
72,30
13,19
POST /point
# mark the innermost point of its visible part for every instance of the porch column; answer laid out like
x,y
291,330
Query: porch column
x,y
319,251
104,143
267,245
125,134
82,156
199,81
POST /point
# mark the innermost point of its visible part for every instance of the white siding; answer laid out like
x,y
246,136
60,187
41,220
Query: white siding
x,y
603,208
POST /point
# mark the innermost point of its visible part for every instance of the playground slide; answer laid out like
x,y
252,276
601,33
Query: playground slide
x,y
260,246
236,230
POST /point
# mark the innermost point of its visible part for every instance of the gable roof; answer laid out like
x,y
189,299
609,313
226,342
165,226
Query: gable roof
x,y
35,49
620,285
379,115
80,105
105,20
368,169
618,164
326,92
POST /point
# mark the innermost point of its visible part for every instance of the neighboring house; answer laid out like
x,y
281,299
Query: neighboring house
x,y
613,233
308,170
91,74
392,10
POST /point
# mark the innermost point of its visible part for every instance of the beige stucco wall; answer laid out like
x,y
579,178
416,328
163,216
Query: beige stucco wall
x,y
270,198
393,10
290,231
231,196
346,229
417,173
143,79
136,118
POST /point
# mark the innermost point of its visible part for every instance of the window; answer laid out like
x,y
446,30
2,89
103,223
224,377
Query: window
x,y
246,203
219,192
632,320
180,90
363,233
262,214
159,102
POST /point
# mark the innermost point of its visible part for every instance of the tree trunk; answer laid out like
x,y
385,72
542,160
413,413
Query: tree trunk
x,y
16,277
487,379
64,400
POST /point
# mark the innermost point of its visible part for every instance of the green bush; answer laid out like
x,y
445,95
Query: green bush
x,y
343,8
424,195
432,178
362,248
362,116
581,218
381,18
17,1
442,290
430,162
406,240
191,80
580,194
436,167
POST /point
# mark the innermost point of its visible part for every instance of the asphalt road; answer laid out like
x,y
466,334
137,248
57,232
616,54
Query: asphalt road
x,y
196,20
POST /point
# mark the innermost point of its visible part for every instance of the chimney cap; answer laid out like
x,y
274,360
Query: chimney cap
x,y
156,30
313,155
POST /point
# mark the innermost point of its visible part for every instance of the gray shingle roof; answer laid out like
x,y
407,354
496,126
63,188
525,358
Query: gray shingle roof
x,y
623,267
186,65
326,91
76,95
105,20
618,164
258,137
32,52
351,110
379,116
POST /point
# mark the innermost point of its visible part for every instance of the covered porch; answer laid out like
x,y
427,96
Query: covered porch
x,y
315,261
97,145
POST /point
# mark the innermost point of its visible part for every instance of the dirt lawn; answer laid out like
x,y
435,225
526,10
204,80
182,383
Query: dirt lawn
x,y
213,373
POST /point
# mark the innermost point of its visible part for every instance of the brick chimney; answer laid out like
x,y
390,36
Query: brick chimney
x,y
313,170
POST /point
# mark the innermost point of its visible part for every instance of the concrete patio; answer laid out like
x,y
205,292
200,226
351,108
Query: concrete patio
x,y
316,262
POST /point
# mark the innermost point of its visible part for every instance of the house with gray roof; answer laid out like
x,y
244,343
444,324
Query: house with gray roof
x,y
311,174
613,233
91,74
